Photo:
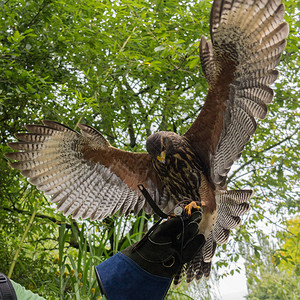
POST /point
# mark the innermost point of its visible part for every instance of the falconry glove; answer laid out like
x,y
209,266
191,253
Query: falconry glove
x,y
163,251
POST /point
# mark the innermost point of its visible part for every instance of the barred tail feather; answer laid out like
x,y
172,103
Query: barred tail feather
x,y
231,206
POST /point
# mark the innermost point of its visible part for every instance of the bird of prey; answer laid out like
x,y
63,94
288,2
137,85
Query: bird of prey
x,y
89,178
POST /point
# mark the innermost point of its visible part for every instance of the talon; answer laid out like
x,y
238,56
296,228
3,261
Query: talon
x,y
191,206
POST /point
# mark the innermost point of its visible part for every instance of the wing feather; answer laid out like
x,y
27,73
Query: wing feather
x,y
84,174
248,38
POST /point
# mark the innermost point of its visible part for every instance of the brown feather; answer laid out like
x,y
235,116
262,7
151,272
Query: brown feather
x,y
132,168
208,126
89,178
86,176
247,41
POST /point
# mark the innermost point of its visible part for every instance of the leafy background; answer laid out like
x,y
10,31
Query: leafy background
x,y
130,68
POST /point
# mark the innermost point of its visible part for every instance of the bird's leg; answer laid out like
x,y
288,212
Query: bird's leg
x,y
193,205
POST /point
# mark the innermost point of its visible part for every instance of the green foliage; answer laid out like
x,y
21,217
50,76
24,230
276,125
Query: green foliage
x,y
128,68
288,258
275,274
275,286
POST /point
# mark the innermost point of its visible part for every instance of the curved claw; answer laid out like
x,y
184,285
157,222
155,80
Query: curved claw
x,y
191,206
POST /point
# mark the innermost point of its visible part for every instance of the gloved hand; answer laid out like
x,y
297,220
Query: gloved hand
x,y
171,244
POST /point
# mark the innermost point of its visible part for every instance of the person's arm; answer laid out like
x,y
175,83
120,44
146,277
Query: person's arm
x,y
145,270
24,294
10,290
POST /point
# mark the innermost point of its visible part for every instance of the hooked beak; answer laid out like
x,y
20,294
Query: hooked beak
x,y
162,157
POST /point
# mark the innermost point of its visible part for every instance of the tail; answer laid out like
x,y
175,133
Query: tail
x,y
231,205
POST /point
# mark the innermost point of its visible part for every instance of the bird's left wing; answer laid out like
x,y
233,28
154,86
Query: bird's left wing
x,y
247,39
85,175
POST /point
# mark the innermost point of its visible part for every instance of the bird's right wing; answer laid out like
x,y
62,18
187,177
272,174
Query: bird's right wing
x,y
83,173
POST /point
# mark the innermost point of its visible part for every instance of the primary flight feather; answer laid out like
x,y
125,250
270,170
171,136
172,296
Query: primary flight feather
x,y
89,178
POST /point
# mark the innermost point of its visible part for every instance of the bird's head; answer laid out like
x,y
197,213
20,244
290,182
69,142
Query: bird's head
x,y
161,144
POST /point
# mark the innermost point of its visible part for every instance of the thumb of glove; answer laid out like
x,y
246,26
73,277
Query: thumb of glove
x,y
192,247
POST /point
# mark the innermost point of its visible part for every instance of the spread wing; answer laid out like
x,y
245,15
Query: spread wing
x,y
247,39
85,175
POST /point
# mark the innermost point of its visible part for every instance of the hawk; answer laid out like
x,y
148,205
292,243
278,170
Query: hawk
x,y
89,178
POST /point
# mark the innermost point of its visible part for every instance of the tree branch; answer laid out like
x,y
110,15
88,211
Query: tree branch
x,y
25,212
44,4
258,154
138,100
129,116
72,243
271,221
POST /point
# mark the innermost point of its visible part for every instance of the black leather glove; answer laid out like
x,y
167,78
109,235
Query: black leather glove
x,y
172,243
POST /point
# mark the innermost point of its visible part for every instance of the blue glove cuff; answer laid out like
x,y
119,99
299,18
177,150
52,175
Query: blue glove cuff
x,y
120,277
